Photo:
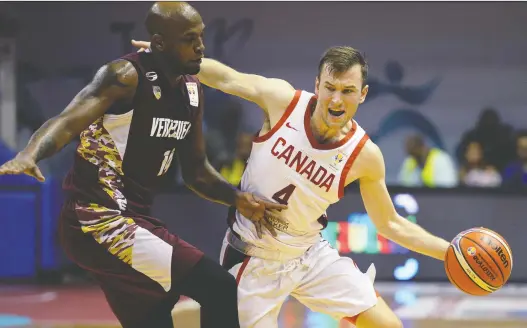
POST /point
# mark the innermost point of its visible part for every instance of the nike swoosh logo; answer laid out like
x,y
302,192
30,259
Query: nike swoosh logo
x,y
289,126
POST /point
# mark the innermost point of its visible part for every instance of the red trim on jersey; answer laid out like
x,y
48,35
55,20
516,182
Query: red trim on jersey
x,y
313,141
282,120
349,163
242,268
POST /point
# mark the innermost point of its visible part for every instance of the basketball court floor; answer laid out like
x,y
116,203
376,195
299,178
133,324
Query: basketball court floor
x,y
419,305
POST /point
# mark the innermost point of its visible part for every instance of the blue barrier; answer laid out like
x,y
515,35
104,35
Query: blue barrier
x,y
28,221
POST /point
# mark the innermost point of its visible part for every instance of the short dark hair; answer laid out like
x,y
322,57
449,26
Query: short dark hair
x,y
341,58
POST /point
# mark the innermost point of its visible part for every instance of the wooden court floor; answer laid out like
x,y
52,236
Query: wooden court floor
x,y
418,305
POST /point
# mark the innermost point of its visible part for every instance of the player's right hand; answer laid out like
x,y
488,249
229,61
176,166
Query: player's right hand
x,y
261,212
22,164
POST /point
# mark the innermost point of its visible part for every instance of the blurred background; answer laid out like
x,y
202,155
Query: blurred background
x,y
448,85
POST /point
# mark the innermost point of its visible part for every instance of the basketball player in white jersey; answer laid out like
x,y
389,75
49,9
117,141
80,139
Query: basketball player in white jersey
x,y
308,150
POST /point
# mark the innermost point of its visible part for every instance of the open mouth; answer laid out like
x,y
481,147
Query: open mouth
x,y
336,113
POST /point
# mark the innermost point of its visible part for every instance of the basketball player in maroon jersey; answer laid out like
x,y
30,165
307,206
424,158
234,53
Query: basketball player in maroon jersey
x,y
136,114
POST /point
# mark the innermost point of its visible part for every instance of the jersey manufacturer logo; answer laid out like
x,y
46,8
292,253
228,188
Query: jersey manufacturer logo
x,y
157,91
288,125
151,76
193,96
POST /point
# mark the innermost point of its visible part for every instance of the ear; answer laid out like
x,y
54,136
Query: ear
x,y
157,42
363,93
317,84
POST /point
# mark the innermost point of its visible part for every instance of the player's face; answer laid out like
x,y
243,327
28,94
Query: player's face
x,y
339,95
185,50
474,153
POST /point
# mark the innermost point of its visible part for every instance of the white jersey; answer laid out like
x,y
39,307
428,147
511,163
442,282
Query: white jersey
x,y
288,165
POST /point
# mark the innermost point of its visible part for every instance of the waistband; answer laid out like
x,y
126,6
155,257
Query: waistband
x,y
267,254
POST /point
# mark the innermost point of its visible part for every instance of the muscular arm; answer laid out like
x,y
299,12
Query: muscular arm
x,y
197,172
268,93
380,209
113,82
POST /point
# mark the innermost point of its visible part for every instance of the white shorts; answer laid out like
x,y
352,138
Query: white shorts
x,y
320,279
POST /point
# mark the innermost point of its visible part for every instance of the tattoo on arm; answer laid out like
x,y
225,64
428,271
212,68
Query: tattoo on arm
x,y
43,142
114,82
110,78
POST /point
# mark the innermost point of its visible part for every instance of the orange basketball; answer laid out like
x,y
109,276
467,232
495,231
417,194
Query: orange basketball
x,y
478,261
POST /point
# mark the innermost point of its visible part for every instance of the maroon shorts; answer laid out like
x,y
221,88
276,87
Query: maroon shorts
x,y
135,260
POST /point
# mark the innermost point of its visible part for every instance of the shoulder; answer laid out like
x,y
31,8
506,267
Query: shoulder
x,y
278,91
119,71
191,78
443,157
115,80
369,163
273,95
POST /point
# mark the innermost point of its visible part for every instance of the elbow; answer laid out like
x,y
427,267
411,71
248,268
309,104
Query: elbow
x,y
390,227
193,176
190,179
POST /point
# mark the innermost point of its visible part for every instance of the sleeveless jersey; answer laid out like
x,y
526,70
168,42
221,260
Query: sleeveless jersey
x,y
124,156
288,165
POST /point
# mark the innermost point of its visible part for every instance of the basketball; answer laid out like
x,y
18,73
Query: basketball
x,y
478,261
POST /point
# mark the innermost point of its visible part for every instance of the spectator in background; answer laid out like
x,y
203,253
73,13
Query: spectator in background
x,y
515,174
426,166
223,120
232,171
475,172
495,137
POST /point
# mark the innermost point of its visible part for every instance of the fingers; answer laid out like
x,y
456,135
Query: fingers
x,y
141,44
35,172
13,167
4,169
258,226
254,202
269,205
10,168
275,215
269,226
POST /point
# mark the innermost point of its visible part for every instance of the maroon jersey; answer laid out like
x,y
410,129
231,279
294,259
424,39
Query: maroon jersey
x,y
123,156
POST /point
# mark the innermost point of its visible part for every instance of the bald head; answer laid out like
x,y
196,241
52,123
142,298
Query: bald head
x,y
163,17
176,36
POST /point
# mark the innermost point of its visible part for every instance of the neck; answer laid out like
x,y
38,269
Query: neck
x,y
473,166
324,133
422,159
166,69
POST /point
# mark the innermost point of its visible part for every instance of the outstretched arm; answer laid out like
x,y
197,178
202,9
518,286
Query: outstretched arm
x,y
113,82
258,89
268,93
383,214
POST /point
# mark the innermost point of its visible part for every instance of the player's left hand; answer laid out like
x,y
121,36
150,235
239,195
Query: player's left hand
x,y
259,211
142,45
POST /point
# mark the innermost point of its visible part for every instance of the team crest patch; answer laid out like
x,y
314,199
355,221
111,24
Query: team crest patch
x,y
157,91
193,96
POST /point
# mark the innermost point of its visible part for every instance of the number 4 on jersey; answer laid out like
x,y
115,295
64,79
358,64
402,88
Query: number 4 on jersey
x,y
282,196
